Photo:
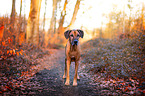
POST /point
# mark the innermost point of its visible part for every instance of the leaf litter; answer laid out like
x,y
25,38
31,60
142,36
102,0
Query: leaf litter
x,y
116,66
18,68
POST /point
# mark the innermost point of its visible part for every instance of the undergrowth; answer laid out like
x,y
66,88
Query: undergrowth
x,y
115,58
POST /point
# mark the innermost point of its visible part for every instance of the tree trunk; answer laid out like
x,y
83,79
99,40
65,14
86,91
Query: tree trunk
x,y
13,14
123,31
61,29
143,19
100,34
74,14
24,28
43,33
32,33
63,14
130,19
44,16
12,21
52,22
20,22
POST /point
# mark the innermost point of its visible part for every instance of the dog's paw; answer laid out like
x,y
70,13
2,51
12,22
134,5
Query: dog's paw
x,y
78,77
64,77
75,84
67,83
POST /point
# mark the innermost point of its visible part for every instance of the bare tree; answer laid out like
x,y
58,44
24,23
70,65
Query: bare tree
x,y
32,34
74,14
62,17
51,30
44,16
13,13
123,31
44,33
143,18
52,22
20,22
12,21
24,28
130,19
61,29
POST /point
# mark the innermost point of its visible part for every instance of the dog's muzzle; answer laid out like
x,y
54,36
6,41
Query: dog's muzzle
x,y
75,42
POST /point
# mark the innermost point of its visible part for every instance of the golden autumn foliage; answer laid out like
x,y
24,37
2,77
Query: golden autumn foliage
x,y
1,32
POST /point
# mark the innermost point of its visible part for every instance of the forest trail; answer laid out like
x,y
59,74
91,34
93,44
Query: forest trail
x,y
101,71
51,82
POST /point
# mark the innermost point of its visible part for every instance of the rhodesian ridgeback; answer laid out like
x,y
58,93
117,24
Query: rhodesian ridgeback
x,y
73,53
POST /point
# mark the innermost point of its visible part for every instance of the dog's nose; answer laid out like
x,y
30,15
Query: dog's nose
x,y
75,41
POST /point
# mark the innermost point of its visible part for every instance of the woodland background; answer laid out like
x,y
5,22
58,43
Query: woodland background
x,y
32,29
113,45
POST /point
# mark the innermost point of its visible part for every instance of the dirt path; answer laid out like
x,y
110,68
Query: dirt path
x,y
98,72
50,80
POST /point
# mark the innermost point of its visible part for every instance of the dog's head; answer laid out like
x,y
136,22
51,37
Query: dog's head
x,y
74,35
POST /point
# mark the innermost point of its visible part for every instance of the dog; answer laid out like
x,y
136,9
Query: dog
x,y
73,53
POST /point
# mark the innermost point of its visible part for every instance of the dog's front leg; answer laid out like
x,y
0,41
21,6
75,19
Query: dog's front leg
x,y
64,76
76,73
68,67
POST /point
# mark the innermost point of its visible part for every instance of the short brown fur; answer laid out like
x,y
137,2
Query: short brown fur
x,y
72,53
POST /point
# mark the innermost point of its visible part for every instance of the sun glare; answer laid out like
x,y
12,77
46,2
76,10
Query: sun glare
x,y
92,13
95,12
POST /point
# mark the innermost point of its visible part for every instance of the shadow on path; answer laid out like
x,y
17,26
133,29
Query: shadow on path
x,y
52,84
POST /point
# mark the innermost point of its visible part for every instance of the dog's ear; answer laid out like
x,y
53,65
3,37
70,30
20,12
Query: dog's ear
x,y
66,34
81,33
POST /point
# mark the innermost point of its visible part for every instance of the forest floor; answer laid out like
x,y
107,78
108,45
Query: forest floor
x,y
106,68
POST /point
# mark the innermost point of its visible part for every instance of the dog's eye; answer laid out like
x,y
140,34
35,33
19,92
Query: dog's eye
x,y
78,35
71,35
